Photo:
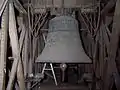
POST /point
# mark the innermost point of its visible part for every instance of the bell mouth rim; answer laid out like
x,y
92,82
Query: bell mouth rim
x,y
77,62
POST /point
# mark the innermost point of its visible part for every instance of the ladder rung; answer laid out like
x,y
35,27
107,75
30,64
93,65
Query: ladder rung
x,y
48,69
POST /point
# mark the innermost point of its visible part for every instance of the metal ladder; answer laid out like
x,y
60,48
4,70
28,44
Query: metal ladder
x,y
50,69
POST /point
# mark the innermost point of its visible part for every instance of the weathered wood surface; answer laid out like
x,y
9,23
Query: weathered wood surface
x,y
19,7
103,47
114,41
22,35
22,42
17,64
3,4
110,5
30,65
26,57
20,69
62,3
3,48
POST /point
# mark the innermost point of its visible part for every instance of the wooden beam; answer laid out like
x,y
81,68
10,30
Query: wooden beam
x,y
26,56
114,40
19,6
3,4
109,5
22,36
17,65
3,48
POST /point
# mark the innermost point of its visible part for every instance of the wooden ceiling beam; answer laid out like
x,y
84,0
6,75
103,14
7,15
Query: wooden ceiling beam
x,y
108,7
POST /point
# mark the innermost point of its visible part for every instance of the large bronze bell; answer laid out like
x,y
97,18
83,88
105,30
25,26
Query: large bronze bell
x,y
63,44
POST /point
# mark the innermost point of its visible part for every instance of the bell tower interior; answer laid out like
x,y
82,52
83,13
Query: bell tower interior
x,y
59,44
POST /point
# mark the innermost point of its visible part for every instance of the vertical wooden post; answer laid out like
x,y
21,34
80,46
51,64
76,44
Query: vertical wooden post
x,y
17,64
26,53
3,47
113,47
30,41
